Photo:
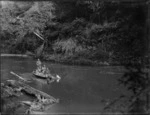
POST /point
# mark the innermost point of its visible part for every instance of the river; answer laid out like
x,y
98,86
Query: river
x,y
82,89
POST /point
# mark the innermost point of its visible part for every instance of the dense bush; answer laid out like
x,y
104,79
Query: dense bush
x,y
67,46
21,19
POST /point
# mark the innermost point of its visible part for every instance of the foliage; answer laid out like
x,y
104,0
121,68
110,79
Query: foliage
x,y
92,24
24,18
89,35
68,46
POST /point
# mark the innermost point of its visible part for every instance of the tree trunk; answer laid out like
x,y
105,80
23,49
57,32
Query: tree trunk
x,y
39,50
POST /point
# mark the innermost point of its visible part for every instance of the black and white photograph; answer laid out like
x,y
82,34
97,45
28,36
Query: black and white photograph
x,y
75,57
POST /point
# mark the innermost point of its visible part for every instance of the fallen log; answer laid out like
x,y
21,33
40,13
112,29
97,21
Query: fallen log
x,y
13,55
34,105
30,90
21,78
9,91
37,106
42,102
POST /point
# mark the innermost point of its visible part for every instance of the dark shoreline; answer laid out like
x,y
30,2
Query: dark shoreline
x,y
65,62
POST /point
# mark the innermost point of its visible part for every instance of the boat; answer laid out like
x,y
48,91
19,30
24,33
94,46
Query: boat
x,y
40,75
44,72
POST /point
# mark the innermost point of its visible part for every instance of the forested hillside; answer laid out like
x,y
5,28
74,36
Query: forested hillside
x,y
76,31
85,32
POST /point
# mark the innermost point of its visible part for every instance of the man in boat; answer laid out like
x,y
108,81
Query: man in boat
x,y
49,76
44,70
39,65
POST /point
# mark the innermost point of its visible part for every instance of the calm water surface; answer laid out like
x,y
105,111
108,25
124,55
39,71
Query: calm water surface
x,y
81,89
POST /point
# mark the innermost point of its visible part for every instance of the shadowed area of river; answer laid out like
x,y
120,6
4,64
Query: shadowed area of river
x,y
81,89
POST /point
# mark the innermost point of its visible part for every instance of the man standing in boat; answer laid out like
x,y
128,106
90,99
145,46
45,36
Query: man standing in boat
x,y
39,65
46,72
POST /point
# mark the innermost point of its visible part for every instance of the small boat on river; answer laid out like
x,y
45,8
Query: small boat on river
x,y
40,75
43,72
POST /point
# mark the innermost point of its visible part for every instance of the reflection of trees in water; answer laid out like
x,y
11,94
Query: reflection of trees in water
x,y
136,80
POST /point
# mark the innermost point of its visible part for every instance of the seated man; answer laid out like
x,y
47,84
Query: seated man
x,y
44,69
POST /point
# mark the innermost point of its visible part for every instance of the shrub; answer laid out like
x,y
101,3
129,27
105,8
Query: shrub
x,y
67,47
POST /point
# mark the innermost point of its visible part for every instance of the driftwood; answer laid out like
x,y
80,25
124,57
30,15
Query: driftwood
x,y
42,102
30,90
9,91
21,78
40,105
13,55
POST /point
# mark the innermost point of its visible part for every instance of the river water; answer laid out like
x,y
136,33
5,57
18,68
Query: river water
x,y
82,89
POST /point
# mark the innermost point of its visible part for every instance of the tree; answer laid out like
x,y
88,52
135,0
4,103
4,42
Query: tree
x,y
24,18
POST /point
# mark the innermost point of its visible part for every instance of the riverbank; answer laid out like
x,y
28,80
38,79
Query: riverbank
x,y
62,59
70,60
39,101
